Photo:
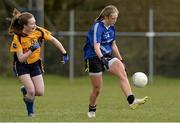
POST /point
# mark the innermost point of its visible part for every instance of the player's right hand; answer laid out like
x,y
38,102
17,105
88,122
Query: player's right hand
x,y
34,47
105,63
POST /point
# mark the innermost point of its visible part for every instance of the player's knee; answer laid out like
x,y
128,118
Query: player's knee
x,y
30,93
97,91
122,75
123,78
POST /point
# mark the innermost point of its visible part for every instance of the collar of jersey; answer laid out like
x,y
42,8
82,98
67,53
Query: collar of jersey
x,y
107,27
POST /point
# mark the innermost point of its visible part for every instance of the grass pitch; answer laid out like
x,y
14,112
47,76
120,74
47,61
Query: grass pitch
x,y
66,101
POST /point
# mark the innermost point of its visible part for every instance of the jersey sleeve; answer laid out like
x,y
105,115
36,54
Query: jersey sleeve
x,y
15,45
97,33
47,34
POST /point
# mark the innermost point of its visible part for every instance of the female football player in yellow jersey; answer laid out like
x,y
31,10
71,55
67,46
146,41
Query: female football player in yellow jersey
x,y
27,37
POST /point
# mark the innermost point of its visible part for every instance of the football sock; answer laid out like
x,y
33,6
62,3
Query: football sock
x,y
29,105
130,99
92,108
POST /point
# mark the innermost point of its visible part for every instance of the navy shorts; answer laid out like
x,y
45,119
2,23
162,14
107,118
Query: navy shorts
x,y
94,64
33,69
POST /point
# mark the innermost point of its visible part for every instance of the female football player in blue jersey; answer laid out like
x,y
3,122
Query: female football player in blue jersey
x,y
26,48
101,54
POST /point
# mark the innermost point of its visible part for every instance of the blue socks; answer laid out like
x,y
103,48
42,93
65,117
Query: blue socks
x,y
29,105
29,102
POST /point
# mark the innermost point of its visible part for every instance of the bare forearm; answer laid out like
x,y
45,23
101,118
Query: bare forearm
x,y
117,54
116,51
22,57
97,50
58,45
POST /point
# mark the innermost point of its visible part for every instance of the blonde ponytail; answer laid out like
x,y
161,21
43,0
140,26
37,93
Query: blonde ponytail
x,y
107,11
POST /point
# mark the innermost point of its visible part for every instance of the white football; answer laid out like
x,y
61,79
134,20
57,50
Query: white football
x,y
139,79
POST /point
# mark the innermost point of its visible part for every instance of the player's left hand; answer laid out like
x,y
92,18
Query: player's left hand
x,y
34,47
65,58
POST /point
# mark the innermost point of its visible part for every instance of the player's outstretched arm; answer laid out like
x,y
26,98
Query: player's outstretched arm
x,y
58,44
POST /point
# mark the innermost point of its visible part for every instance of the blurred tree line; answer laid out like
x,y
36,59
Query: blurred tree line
x,y
133,17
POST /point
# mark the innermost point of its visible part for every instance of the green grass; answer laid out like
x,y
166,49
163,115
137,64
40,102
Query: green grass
x,y
66,101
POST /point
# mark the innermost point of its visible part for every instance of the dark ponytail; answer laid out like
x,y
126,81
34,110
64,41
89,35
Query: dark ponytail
x,y
18,21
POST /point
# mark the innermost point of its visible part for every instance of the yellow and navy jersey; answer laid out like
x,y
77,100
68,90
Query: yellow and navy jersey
x,y
23,43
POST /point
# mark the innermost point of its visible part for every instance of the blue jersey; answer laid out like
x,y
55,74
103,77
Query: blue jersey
x,y
99,33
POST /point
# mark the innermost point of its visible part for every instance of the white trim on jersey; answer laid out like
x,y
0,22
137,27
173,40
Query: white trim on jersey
x,y
108,41
95,31
104,49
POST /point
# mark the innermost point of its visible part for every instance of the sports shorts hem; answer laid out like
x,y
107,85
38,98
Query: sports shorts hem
x,y
112,61
99,73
